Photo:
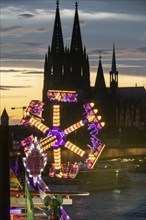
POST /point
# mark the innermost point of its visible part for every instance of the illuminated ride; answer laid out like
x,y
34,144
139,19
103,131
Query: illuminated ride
x,y
55,137
35,158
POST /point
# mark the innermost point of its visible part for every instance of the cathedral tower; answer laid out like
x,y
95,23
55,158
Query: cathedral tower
x,y
79,63
64,68
100,86
113,74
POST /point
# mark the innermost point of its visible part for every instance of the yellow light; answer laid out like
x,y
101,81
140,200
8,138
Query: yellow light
x,y
99,117
48,146
60,91
90,118
57,159
74,148
91,157
95,110
59,175
92,104
47,140
103,124
73,127
56,115
38,125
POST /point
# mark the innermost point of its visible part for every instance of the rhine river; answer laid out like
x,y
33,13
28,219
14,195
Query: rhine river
x,y
123,204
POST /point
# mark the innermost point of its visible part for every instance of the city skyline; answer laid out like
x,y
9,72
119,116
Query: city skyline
x,y
27,31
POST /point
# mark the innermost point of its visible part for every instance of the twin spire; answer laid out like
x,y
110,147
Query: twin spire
x,y
76,47
57,39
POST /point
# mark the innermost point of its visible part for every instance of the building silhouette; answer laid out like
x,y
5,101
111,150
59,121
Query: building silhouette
x,y
4,118
68,68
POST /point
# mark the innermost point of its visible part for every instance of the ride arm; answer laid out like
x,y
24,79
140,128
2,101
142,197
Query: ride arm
x,y
75,149
75,126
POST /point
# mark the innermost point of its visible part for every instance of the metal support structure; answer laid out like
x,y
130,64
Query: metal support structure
x,y
4,173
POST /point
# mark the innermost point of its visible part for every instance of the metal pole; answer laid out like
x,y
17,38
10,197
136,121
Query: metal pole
x,y
4,174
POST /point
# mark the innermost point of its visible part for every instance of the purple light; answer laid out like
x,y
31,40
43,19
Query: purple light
x,y
60,134
15,211
85,156
62,96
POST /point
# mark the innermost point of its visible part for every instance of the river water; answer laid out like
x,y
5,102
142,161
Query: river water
x,y
119,204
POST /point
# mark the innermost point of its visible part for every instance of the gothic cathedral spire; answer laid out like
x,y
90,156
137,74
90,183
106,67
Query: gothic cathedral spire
x,y
100,86
76,40
79,70
57,39
113,73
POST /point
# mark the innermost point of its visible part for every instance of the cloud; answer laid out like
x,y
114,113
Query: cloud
x,y
9,70
13,87
26,56
67,13
34,72
124,66
19,30
96,52
12,28
32,44
21,71
13,96
26,15
121,53
142,49
82,23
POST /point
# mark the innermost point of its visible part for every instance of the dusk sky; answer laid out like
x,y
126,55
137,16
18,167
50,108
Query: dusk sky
x,y
26,32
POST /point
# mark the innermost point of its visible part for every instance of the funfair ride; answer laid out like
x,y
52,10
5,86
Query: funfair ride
x,y
56,138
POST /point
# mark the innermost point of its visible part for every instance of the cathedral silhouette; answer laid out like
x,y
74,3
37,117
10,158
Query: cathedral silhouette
x,y
69,69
